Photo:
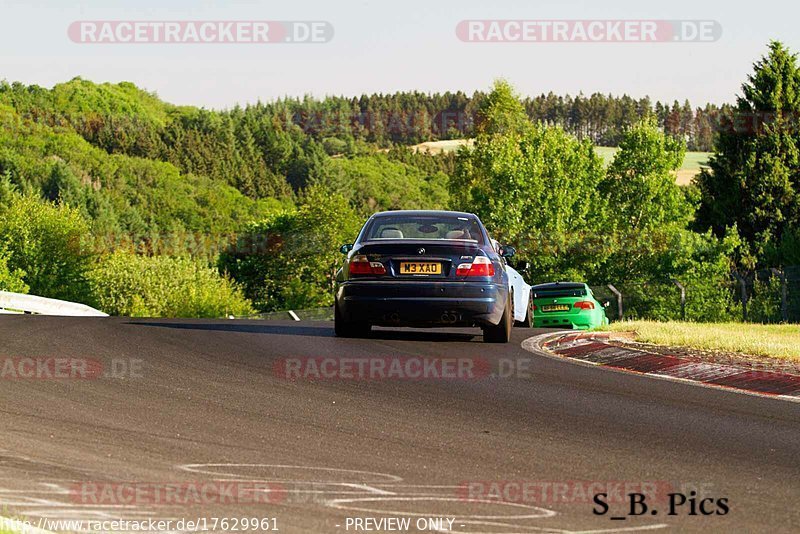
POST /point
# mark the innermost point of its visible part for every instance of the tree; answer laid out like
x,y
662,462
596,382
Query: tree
x,y
651,244
377,183
502,112
640,182
288,261
754,175
533,186
49,244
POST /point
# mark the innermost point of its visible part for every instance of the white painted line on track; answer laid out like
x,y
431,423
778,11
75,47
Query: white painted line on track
x,y
626,529
203,469
368,489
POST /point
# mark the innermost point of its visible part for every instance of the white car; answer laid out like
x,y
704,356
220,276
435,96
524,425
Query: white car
x,y
521,290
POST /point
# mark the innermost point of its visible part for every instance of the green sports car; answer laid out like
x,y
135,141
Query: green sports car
x,y
567,305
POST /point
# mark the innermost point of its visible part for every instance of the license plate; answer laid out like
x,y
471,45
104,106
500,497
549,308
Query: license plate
x,y
555,307
416,267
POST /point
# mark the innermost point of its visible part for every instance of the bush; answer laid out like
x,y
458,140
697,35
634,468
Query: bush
x,y
289,261
160,286
10,280
47,242
764,305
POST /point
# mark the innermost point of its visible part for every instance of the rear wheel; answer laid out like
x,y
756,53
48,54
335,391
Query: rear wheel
x,y
344,328
500,333
528,321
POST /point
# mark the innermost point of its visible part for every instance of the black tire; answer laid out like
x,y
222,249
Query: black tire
x,y
344,328
500,333
528,322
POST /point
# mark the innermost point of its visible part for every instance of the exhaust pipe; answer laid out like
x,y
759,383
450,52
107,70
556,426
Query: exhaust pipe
x,y
449,318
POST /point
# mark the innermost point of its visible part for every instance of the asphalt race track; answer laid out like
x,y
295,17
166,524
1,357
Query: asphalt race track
x,y
189,401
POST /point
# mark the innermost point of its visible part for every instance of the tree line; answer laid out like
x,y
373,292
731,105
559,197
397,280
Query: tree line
x,y
414,117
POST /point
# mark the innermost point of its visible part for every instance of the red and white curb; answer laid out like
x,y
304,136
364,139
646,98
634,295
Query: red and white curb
x,y
594,349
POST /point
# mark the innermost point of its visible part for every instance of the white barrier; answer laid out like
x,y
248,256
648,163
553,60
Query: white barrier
x,y
16,302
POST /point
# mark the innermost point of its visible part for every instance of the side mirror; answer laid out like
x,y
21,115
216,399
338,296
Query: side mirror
x,y
509,251
344,249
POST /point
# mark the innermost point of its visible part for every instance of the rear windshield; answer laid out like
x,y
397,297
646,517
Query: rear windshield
x,y
555,293
425,227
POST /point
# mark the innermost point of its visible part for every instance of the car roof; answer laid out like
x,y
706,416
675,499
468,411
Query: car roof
x,y
561,285
420,213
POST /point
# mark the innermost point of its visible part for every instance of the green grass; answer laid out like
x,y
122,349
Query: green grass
x,y
6,516
606,152
691,162
694,160
775,341
439,147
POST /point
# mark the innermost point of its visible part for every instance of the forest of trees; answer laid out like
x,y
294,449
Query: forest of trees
x,y
411,118
103,185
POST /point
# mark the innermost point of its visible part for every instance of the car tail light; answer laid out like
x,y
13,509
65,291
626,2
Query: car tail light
x,y
535,307
361,265
481,266
584,305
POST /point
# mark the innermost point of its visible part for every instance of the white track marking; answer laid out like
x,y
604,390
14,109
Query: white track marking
x,y
200,469
378,489
540,512
529,529
626,529
369,489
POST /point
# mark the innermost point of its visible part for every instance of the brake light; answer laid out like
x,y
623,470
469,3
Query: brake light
x,y
584,305
481,266
361,265
535,307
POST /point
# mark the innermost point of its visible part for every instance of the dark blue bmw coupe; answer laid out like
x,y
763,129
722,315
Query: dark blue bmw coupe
x,y
422,269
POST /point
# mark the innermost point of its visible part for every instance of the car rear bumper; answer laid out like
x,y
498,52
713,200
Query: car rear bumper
x,y
565,320
395,303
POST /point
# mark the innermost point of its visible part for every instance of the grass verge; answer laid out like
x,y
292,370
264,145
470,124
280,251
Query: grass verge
x,y
773,341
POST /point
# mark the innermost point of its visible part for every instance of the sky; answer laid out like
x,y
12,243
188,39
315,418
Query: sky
x,y
393,46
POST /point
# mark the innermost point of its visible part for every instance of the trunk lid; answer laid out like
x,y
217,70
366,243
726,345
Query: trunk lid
x,y
415,259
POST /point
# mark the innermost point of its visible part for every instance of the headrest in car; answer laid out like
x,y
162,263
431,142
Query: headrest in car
x,y
391,233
